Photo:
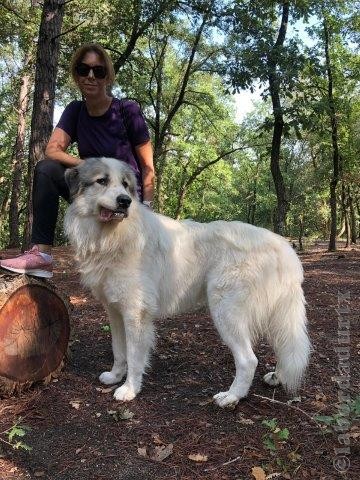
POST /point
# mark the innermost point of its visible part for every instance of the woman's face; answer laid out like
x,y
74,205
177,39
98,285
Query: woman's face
x,y
89,85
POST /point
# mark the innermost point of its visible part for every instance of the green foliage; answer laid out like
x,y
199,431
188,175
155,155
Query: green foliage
x,y
208,166
14,436
275,436
347,411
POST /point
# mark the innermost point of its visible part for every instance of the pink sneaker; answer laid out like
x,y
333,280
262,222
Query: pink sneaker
x,y
31,263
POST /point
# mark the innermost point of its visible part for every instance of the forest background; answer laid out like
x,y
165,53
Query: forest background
x,y
291,164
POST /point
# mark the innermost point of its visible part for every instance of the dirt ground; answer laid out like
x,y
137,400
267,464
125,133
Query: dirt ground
x,y
172,430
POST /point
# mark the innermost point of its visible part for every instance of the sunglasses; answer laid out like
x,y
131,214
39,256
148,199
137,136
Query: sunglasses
x,y
83,70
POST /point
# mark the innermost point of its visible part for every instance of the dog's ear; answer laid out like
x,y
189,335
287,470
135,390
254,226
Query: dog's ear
x,y
72,178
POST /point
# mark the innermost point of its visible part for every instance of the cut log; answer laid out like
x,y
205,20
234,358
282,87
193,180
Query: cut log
x,y
34,331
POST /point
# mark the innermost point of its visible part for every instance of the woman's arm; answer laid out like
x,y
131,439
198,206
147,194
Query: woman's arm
x,y
144,153
57,146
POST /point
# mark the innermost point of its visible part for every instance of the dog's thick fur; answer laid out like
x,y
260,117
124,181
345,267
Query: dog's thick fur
x,y
149,266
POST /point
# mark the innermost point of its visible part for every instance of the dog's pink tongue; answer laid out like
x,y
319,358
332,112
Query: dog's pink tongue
x,y
105,214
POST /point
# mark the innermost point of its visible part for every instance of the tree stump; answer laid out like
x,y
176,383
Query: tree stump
x,y
34,331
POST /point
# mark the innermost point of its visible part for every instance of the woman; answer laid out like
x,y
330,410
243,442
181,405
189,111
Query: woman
x,y
102,126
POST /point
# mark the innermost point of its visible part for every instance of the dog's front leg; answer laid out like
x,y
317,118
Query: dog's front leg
x,y
118,347
140,336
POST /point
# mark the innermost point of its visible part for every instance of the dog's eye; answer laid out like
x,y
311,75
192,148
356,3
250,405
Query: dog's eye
x,y
125,184
102,181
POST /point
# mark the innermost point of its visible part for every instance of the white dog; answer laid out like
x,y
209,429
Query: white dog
x,y
142,265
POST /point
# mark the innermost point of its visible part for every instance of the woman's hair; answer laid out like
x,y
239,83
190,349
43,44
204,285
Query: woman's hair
x,y
99,50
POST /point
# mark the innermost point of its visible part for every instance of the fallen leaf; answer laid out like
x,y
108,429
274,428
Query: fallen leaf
x,y
198,457
273,475
258,473
39,474
106,390
293,456
354,433
75,404
125,414
122,413
156,439
245,421
161,452
142,451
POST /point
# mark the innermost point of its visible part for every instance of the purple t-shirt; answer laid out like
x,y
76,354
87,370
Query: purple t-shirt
x,y
113,134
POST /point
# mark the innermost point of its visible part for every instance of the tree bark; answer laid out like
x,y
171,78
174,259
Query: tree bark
x,y
44,94
334,139
344,205
180,202
352,217
18,156
301,232
274,85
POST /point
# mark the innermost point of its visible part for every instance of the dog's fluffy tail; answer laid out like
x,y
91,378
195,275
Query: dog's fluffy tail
x,y
290,339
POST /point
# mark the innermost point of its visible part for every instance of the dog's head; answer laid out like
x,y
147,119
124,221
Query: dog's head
x,y
102,187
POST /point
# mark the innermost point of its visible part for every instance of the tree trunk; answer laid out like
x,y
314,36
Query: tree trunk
x,y
180,202
352,217
342,228
254,197
274,84
158,190
334,138
44,94
18,157
34,331
346,214
301,232
4,205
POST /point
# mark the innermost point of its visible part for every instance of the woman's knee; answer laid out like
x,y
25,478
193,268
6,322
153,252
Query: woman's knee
x,y
50,168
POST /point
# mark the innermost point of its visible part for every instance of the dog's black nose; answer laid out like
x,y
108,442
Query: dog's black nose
x,y
123,201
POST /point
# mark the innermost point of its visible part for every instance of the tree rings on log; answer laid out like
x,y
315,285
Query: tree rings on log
x,y
34,331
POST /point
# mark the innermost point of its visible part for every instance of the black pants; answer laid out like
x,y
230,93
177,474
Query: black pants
x,y
49,185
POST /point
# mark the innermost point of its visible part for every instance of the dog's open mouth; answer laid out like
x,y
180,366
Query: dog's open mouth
x,y
107,215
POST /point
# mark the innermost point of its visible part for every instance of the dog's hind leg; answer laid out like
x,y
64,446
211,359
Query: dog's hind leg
x,y
139,341
232,326
118,347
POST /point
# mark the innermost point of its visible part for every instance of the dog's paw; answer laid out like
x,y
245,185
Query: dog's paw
x,y
125,393
271,379
226,399
109,378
